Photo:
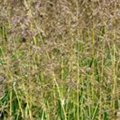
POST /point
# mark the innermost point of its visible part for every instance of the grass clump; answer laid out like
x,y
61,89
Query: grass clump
x,y
59,60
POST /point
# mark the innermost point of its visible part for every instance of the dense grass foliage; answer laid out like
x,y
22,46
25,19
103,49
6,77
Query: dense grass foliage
x,y
59,59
